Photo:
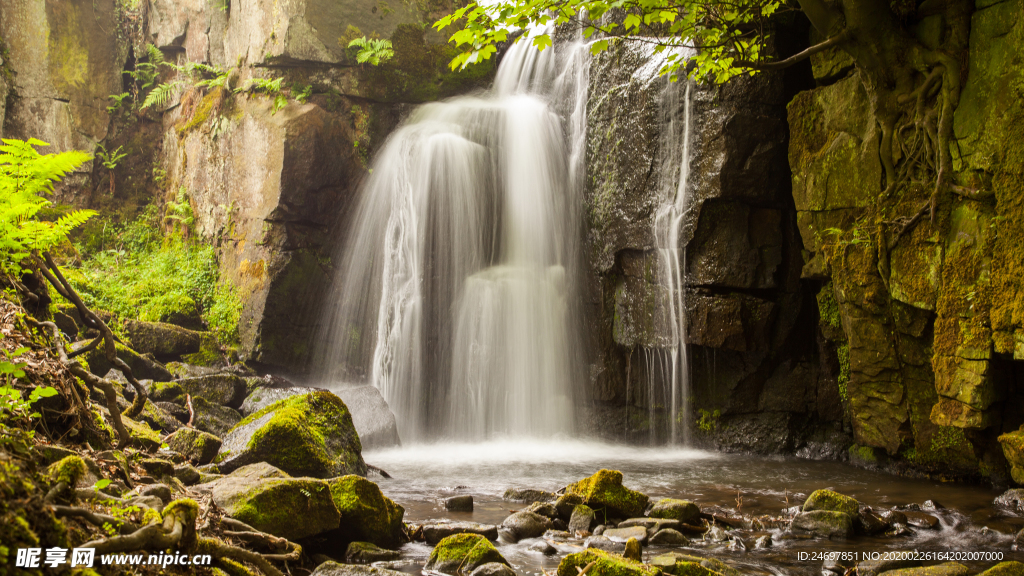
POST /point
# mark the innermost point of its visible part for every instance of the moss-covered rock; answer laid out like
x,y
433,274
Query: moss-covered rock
x,y
224,389
1013,448
198,446
166,392
824,523
582,519
604,491
463,552
308,435
675,562
947,569
367,515
670,508
162,340
268,500
829,500
142,367
1010,568
605,564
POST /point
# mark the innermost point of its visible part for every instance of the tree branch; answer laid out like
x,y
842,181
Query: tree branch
x,y
796,58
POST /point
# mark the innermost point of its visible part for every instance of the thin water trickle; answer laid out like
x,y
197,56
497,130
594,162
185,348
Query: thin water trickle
x,y
458,287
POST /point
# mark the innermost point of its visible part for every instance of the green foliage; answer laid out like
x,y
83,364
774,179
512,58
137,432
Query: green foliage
x,y
268,87
707,421
844,370
25,175
162,94
13,405
373,51
225,311
179,211
110,159
731,35
828,308
118,100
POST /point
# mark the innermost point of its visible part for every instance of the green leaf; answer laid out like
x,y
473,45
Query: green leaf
x,y
101,484
541,42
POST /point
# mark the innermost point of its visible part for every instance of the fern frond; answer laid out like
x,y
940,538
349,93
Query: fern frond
x,y
161,95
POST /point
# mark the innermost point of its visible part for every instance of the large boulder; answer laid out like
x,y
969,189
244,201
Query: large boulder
x,y
371,415
161,339
367,515
824,523
309,435
605,564
464,552
143,367
604,491
269,500
224,389
197,446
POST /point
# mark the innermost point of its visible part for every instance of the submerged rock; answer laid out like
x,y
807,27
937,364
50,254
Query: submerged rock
x,y
604,490
367,515
682,510
493,569
267,499
524,525
197,446
1012,499
459,503
334,569
308,435
605,564
434,533
527,495
465,552
367,553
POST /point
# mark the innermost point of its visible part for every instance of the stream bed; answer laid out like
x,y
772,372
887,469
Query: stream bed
x,y
726,484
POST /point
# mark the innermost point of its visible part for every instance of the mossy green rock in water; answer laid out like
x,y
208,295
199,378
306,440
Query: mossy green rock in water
x,y
605,564
682,564
198,446
604,490
947,569
308,435
367,553
464,552
367,515
824,523
1005,569
268,500
829,500
682,510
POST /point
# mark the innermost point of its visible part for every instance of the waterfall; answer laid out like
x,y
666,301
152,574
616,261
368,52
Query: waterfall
x,y
457,288
670,364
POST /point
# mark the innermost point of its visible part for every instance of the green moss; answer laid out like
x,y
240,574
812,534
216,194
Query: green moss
x,y
832,501
604,491
366,513
295,438
669,562
462,553
863,454
1010,568
166,392
69,471
605,564
281,506
208,106
844,370
828,308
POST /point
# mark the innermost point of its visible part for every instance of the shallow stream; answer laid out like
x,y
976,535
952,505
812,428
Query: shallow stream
x,y
725,484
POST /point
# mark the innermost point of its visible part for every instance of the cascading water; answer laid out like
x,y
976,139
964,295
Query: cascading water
x,y
456,293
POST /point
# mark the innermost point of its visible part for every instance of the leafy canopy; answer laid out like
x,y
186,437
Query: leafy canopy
x,y
25,176
729,33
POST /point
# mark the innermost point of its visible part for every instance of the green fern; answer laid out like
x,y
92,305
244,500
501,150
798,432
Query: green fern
x,y
373,51
26,175
162,94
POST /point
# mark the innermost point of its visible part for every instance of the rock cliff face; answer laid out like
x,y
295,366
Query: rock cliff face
x,y
269,187
926,326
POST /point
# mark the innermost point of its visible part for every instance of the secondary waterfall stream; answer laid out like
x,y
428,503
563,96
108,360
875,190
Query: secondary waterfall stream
x,y
458,288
